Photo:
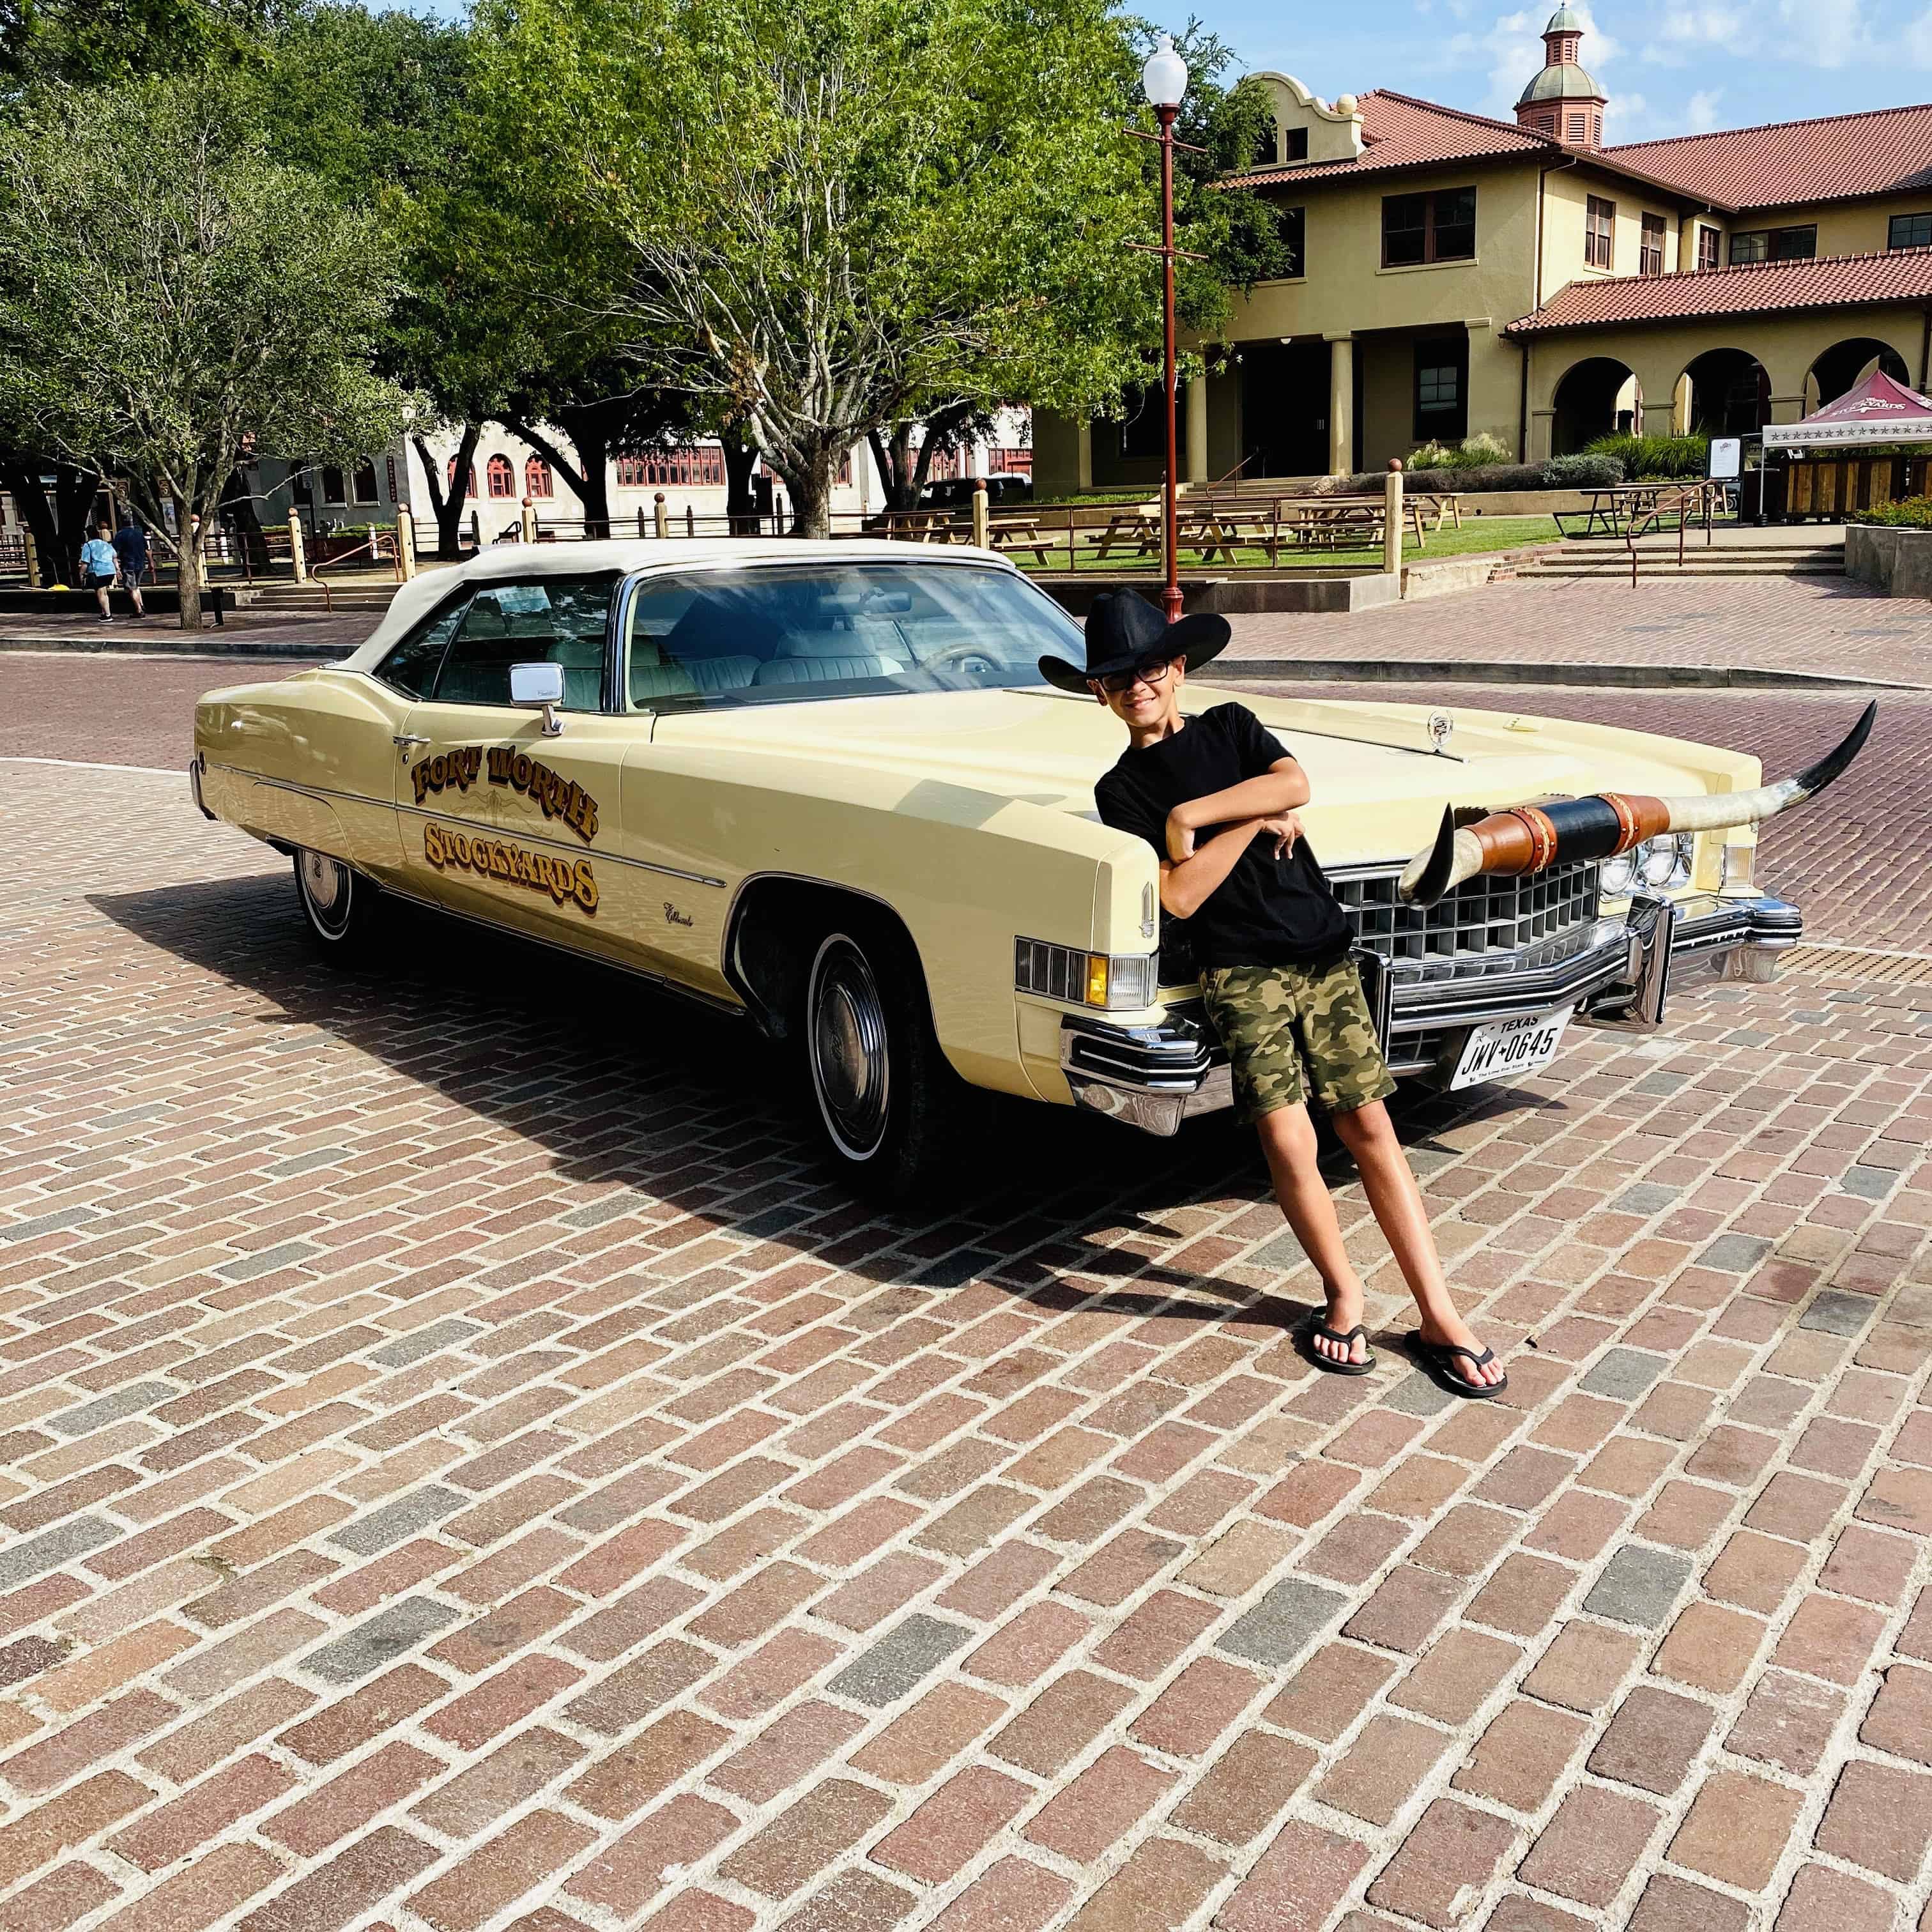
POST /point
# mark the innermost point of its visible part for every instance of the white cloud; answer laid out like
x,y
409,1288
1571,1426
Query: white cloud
x,y
1917,39
1700,114
1692,36
1825,33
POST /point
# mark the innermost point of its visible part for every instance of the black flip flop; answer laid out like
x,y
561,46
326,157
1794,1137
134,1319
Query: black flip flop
x,y
1305,1334
1436,1359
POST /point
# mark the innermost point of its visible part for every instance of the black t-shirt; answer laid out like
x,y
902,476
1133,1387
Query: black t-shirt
x,y
1267,911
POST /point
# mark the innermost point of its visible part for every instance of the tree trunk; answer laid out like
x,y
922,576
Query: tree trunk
x,y
58,524
592,430
809,482
588,479
447,491
187,570
741,454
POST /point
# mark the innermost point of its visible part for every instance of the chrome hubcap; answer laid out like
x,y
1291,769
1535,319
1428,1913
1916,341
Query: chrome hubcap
x,y
325,886
850,1069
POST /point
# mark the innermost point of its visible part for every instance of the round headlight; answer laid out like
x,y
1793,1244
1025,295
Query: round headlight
x,y
1618,875
1665,862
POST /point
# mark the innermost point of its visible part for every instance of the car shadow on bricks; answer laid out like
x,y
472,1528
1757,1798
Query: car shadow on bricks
x,y
621,1083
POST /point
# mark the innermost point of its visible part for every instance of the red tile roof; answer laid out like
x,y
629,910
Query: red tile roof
x,y
1888,151
1399,131
1831,281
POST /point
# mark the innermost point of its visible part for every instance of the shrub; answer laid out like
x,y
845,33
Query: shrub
x,y
1500,476
1581,472
1647,459
1473,452
1911,513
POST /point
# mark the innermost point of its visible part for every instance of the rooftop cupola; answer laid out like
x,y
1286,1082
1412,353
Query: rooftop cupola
x,y
1563,101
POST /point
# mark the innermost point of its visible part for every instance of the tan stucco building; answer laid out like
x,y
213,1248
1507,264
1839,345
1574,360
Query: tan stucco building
x,y
1457,275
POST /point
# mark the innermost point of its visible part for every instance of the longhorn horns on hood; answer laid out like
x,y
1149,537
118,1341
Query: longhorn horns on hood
x,y
1528,837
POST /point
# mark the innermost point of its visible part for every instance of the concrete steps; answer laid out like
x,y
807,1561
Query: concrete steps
x,y
1599,559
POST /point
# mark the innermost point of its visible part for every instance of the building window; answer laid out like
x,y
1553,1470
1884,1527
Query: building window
x,y
1775,245
1295,238
1438,227
332,490
1294,145
1707,247
537,482
1009,462
1650,250
1910,231
1599,223
702,468
365,482
469,488
1442,389
502,475
1268,148
299,491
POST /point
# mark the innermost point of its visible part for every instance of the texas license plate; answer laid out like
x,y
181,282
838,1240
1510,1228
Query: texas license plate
x,y
1505,1048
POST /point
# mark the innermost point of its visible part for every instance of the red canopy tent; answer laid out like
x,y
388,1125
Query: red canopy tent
x,y
1877,410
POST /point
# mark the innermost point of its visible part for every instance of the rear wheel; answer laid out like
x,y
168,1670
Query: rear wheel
x,y
889,1105
338,904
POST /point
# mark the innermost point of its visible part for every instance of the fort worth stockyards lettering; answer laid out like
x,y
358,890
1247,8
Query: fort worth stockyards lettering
x,y
561,878
559,796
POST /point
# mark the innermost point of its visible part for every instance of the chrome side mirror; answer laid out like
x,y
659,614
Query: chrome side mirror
x,y
539,687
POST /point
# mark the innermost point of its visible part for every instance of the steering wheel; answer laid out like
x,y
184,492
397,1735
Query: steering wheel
x,y
970,657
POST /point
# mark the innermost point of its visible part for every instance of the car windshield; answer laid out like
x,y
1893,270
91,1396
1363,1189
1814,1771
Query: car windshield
x,y
770,634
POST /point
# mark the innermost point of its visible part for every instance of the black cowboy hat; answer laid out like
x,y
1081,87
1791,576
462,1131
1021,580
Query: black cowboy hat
x,y
1123,629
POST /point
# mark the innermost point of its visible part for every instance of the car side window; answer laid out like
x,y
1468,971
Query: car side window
x,y
412,667
555,620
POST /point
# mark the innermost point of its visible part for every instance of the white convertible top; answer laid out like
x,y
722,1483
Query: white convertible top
x,y
422,593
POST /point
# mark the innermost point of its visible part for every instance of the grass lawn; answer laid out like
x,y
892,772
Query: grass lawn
x,y
1478,534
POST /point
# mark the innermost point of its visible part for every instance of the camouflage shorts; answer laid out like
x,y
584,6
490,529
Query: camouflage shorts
x,y
1292,1031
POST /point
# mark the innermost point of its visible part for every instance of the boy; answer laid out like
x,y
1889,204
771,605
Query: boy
x,y
1216,796
98,565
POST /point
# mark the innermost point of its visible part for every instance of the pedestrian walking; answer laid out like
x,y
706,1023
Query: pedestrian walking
x,y
130,550
98,566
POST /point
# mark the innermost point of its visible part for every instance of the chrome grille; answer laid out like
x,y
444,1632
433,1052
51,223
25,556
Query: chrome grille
x,y
1487,915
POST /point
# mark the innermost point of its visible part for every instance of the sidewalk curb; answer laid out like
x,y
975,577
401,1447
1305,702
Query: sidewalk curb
x,y
145,644
1632,677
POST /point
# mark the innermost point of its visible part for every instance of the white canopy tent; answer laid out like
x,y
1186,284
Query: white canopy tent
x,y
1878,410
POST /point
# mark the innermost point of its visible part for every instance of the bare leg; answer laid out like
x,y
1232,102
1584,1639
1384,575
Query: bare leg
x,y
1288,1139
1370,1135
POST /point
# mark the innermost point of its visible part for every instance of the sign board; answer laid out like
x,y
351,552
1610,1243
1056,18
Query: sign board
x,y
1727,453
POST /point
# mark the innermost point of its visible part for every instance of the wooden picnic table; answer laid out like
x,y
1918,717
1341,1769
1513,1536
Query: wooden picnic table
x,y
1342,516
1213,532
1129,527
1006,534
926,526
1614,507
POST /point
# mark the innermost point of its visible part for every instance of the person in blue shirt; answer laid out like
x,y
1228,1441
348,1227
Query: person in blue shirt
x,y
98,565
131,547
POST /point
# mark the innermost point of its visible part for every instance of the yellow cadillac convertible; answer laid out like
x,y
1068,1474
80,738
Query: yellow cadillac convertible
x,y
822,787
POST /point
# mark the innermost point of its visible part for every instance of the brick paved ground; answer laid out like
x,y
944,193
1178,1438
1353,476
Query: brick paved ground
x,y
275,625
1807,624
465,1470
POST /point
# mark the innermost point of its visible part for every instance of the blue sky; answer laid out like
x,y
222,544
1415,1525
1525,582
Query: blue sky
x,y
1668,69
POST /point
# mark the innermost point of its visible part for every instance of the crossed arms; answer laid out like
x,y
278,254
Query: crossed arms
x,y
1256,807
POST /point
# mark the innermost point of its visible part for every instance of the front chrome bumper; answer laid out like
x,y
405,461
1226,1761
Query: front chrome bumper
x,y
1614,972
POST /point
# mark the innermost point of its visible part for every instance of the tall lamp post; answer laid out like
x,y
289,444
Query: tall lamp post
x,y
1164,79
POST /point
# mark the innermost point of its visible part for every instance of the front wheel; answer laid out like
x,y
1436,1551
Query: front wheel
x,y
338,904
889,1105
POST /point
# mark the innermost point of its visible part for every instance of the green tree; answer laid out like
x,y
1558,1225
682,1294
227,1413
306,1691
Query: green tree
x,y
167,292
841,213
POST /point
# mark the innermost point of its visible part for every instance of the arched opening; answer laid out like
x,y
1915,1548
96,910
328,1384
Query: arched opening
x,y
503,477
1730,393
1845,364
1600,397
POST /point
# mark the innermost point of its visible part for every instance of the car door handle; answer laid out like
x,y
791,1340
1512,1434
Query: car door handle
x,y
402,740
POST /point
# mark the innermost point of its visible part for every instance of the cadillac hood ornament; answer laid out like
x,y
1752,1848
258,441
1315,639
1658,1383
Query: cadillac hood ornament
x,y
1531,837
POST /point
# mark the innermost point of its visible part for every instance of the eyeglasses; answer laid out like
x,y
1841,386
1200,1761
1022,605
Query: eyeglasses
x,y
1149,671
